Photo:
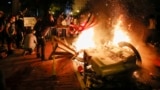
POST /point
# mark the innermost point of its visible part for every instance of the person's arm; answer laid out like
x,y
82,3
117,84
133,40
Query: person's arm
x,y
1,28
45,31
7,27
35,40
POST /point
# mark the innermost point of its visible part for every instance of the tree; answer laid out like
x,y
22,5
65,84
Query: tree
x,y
42,6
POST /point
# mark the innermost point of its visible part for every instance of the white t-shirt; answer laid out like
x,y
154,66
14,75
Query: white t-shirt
x,y
30,41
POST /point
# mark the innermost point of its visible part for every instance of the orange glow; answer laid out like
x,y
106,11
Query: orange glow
x,y
119,34
85,40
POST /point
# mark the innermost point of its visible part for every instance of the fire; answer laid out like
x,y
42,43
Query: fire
x,y
85,40
119,34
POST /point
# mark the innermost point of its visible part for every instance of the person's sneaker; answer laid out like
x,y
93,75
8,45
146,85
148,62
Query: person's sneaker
x,y
25,53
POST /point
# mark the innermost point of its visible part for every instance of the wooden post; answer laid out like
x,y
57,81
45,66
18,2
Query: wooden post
x,y
85,66
54,68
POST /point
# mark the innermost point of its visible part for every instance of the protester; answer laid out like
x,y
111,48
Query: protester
x,y
10,30
2,26
20,30
42,27
30,42
152,32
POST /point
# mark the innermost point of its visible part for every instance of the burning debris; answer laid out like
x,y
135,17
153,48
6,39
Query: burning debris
x,y
115,61
100,60
106,64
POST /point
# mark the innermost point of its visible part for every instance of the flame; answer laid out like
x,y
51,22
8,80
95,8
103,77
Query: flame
x,y
85,40
119,33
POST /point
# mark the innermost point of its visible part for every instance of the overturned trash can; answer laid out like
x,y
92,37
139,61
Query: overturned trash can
x,y
100,65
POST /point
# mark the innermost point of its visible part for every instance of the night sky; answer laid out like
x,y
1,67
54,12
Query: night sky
x,y
131,6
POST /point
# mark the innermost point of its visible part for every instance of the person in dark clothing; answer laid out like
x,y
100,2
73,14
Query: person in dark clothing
x,y
152,30
2,81
20,30
2,31
10,31
42,27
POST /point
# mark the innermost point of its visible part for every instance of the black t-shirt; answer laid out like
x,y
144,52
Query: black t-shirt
x,y
40,26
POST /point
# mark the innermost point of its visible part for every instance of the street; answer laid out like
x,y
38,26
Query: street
x,y
30,73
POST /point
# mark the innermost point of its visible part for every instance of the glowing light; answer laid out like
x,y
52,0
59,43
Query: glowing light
x,y
136,74
85,40
77,11
71,13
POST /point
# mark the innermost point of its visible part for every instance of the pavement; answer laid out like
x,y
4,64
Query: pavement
x,y
30,73
27,72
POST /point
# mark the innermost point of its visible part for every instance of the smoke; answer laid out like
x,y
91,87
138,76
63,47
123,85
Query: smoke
x,y
134,14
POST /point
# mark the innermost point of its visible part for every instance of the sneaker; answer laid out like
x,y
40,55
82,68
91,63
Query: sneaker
x,y
25,53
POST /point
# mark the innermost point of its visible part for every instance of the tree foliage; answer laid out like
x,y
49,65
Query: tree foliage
x,y
44,5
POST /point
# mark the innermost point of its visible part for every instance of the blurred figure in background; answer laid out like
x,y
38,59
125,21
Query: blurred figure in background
x,y
30,42
10,30
19,29
151,38
2,31
42,28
